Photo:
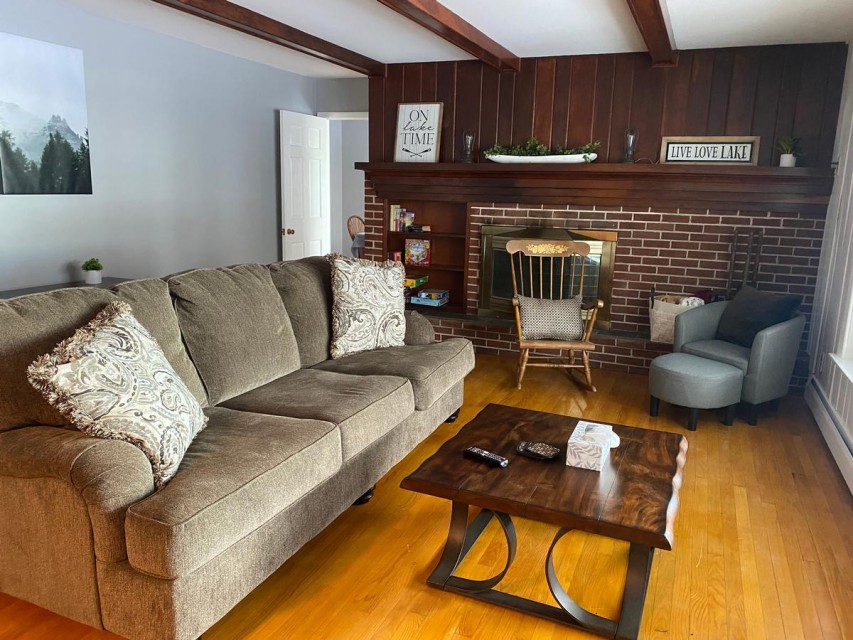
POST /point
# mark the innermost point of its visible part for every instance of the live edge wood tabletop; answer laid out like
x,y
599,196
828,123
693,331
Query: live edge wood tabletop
x,y
634,498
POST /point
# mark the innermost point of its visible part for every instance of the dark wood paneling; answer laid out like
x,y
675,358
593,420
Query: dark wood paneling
x,y
412,83
428,77
745,69
506,105
543,103
488,108
525,92
604,76
393,97
767,101
376,115
581,102
446,93
766,91
562,97
468,108
677,95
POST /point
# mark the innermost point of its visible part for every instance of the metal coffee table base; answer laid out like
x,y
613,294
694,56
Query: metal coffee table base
x,y
461,539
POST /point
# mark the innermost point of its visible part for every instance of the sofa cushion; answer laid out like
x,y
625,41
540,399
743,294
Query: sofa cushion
x,y
721,351
432,368
236,328
152,307
239,472
305,287
752,310
364,407
367,305
29,327
112,381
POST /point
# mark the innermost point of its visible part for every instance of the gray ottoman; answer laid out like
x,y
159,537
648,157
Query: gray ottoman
x,y
696,383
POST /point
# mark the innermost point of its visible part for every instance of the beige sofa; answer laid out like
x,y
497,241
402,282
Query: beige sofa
x,y
293,439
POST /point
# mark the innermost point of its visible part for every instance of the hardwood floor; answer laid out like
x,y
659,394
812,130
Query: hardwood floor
x,y
763,542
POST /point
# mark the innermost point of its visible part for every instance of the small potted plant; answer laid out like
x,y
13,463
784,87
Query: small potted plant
x,y
92,269
789,150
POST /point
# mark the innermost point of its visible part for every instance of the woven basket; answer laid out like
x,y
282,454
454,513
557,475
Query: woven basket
x,y
662,316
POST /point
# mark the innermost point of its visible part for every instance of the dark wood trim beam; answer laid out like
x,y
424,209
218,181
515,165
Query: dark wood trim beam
x,y
255,24
649,18
443,22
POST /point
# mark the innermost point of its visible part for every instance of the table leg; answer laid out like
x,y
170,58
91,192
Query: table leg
x,y
462,537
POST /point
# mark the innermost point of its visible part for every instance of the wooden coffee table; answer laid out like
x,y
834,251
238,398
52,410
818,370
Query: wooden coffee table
x,y
634,498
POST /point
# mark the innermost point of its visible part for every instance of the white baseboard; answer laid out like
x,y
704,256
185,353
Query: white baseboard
x,y
826,419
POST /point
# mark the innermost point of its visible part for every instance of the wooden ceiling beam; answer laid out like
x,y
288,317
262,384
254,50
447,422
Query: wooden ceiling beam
x,y
444,23
255,24
648,15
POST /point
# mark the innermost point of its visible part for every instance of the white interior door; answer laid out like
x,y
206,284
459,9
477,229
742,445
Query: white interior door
x,y
305,186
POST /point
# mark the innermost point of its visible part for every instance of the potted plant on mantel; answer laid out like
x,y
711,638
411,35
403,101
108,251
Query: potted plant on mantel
x,y
534,151
92,269
789,150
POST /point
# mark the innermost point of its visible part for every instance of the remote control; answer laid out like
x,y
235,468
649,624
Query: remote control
x,y
486,456
537,450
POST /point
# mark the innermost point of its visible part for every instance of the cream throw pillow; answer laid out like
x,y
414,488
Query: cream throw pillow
x,y
112,380
543,319
368,306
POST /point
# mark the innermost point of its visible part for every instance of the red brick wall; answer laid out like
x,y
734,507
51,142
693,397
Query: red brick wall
x,y
677,251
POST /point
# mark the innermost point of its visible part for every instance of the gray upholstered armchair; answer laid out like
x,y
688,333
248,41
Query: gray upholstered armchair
x,y
767,366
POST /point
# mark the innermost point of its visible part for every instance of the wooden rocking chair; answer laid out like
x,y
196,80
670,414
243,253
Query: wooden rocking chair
x,y
553,270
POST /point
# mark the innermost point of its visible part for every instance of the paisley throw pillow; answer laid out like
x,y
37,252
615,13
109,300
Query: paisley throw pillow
x,y
367,305
112,380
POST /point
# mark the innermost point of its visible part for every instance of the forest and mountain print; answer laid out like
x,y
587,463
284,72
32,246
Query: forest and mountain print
x,y
44,138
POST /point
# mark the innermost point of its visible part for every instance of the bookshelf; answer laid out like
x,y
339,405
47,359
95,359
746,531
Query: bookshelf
x,y
448,243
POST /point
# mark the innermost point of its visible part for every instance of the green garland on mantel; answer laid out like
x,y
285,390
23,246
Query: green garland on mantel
x,y
535,148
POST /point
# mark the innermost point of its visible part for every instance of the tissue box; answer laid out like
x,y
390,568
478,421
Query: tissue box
x,y
589,445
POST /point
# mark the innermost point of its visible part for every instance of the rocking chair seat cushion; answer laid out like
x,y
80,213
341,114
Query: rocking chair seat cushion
x,y
543,319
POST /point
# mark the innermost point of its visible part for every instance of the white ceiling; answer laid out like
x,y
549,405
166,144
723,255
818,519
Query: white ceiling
x,y
525,27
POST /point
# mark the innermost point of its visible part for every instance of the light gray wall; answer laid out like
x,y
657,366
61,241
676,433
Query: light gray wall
x,y
354,148
348,142
184,155
342,94
339,239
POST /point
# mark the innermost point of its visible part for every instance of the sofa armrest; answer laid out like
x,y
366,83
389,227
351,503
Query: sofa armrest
x,y
699,323
418,329
772,360
108,475
63,498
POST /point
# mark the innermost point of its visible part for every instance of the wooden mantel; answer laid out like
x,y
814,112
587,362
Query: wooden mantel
x,y
730,188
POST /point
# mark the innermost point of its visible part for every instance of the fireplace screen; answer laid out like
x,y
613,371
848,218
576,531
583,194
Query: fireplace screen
x,y
496,275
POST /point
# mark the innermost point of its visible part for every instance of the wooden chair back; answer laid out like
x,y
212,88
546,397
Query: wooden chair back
x,y
552,269
355,224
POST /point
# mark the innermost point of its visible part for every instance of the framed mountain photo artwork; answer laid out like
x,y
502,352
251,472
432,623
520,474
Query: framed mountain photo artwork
x,y
44,130
418,132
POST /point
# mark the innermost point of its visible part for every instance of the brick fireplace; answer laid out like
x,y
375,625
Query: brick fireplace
x,y
674,250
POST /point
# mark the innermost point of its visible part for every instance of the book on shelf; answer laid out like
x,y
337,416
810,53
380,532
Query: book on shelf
x,y
398,218
415,281
417,252
396,256
434,294
429,302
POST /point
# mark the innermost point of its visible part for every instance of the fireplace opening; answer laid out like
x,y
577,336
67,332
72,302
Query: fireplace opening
x,y
495,285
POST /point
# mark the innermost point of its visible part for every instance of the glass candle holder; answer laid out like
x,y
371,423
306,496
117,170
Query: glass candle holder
x,y
630,145
468,146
